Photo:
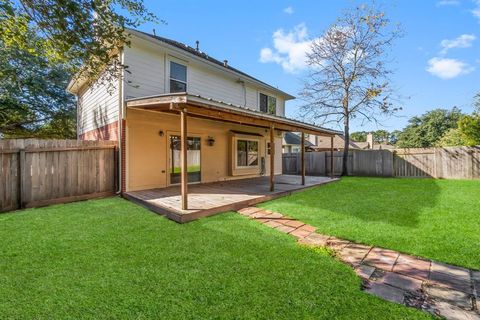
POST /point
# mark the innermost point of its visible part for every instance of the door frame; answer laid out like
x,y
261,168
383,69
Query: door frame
x,y
169,158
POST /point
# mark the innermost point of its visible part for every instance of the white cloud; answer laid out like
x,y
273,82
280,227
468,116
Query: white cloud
x,y
476,10
442,3
445,68
288,10
463,41
289,49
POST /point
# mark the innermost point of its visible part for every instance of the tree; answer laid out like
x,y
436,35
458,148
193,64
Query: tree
x,y
84,35
452,138
359,136
424,131
469,128
349,77
476,103
33,100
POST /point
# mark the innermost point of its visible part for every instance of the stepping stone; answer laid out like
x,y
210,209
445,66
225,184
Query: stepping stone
x,y
300,233
306,227
353,253
476,284
412,267
381,258
337,244
452,271
402,282
293,223
262,220
364,271
460,283
386,292
285,229
458,298
273,224
315,239
248,210
274,215
259,214
451,312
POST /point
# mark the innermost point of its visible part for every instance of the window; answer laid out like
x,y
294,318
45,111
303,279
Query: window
x,y
247,153
268,104
178,77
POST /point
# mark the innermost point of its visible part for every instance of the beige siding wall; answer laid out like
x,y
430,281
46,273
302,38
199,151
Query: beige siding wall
x,y
148,74
98,106
148,157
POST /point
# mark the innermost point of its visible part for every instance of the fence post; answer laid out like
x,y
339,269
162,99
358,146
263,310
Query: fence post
x,y
21,178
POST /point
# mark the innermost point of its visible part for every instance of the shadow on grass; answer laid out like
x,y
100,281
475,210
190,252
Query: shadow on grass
x,y
370,200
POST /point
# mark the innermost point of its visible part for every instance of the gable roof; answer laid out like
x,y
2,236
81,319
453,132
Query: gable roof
x,y
291,138
203,56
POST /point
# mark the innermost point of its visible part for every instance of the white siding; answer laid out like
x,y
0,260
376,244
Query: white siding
x,y
148,74
98,105
145,75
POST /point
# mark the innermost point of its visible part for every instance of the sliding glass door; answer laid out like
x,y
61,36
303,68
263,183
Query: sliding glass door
x,y
193,159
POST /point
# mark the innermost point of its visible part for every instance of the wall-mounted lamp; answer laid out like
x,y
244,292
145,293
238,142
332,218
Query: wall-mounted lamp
x,y
161,133
210,141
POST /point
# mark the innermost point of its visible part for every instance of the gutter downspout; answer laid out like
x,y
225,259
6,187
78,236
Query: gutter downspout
x,y
119,126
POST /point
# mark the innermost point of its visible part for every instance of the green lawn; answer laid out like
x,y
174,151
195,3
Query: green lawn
x,y
436,219
112,259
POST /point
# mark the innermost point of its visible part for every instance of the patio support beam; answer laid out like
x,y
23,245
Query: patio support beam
x,y
302,144
272,157
332,168
183,158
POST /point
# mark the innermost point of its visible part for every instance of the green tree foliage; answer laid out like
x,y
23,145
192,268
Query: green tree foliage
x,y
33,100
359,136
452,138
425,130
43,43
469,128
83,34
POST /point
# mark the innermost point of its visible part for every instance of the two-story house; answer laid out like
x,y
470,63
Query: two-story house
x,y
182,117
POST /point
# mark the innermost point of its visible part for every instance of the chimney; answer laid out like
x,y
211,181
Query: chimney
x,y
197,45
370,141
225,63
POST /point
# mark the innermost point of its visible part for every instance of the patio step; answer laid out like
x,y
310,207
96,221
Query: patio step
x,y
444,290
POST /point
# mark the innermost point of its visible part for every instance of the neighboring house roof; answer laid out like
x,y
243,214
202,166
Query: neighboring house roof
x,y
338,142
291,138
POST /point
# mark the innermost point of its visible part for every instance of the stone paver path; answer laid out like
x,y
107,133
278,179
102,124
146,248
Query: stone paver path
x,y
444,290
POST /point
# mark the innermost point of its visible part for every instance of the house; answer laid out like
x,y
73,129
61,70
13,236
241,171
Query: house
x,y
182,117
321,143
292,143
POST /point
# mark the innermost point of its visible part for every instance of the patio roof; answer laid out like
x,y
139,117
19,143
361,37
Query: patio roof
x,y
201,107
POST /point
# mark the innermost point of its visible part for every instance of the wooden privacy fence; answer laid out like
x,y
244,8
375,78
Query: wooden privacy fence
x,y
40,172
447,163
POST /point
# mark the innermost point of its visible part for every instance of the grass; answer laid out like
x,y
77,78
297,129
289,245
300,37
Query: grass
x,y
112,259
436,219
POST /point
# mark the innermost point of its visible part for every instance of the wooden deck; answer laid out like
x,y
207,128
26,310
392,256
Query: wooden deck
x,y
211,198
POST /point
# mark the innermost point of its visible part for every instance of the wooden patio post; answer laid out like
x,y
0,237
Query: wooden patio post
x,y
272,157
302,144
183,158
332,168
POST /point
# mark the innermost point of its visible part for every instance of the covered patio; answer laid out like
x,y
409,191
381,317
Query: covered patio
x,y
210,198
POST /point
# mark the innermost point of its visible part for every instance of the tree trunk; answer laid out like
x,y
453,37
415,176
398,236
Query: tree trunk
x,y
346,132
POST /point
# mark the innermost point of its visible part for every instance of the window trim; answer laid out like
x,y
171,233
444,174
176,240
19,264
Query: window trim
x,y
170,78
235,150
260,93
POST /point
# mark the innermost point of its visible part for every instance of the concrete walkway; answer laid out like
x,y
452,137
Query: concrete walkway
x,y
444,290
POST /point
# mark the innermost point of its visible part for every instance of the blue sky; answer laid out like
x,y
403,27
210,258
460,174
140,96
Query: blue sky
x,y
437,62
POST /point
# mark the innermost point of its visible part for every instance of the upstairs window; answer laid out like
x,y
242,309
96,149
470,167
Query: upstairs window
x,y
178,77
268,104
